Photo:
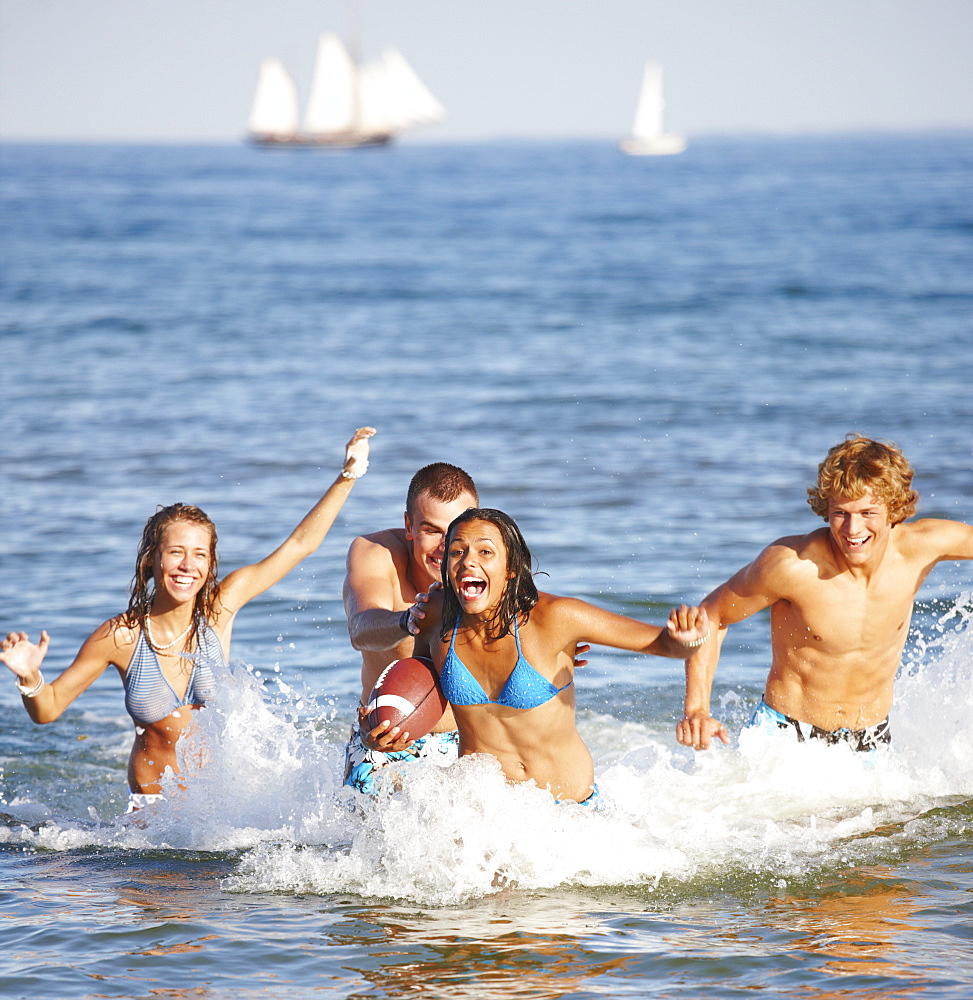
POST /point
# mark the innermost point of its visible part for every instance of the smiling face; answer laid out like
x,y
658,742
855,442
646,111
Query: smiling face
x,y
181,563
426,530
860,529
477,567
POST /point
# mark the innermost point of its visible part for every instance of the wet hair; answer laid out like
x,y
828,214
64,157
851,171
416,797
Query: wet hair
x,y
858,466
141,597
520,593
442,481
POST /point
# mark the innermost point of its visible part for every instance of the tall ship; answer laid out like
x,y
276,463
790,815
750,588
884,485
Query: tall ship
x,y
349,105
649,137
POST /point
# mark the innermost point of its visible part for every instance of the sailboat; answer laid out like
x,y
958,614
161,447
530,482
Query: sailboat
x,y
648,137
348,106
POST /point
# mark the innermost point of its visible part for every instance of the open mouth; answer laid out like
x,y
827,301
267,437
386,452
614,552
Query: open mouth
x,y
856,543
471,588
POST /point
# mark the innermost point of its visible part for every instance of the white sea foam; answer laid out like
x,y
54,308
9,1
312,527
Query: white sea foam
x,y
264,778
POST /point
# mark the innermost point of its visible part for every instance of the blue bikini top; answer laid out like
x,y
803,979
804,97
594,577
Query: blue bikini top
x,y
524,688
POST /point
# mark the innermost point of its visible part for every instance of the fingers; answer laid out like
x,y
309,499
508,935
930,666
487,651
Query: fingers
x,y
698,732
362,434
686,617
415,614
386,739
579,651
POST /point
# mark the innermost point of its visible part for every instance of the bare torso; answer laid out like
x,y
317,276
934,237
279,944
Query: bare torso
x,y
838,635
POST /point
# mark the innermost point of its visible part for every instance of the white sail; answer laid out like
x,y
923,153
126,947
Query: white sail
x,y
377,110
347,106
333,103
415,103
649,137
274,111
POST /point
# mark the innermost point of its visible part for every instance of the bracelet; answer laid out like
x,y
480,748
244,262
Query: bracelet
x,y
32,692
695,643
404,620
348,474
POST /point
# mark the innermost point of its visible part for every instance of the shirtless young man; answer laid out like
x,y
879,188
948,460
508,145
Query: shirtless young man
x,y
840,602
389,575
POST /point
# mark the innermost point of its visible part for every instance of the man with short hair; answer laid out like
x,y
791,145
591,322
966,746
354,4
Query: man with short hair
x,y
840,602
388,577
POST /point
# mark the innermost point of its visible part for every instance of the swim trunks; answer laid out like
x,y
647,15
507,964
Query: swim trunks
x,y
525,688
862,740
149,697
362,763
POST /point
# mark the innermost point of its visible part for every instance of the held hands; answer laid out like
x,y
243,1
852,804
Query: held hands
x,y
689,626
697,729
382,737
23,657
356,454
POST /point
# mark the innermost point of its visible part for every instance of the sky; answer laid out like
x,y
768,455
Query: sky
x,y
185,70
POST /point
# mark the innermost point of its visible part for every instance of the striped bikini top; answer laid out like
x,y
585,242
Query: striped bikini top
x,y
149,697
525,687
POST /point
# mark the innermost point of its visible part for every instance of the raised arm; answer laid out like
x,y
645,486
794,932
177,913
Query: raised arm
x,y
46,702
246,583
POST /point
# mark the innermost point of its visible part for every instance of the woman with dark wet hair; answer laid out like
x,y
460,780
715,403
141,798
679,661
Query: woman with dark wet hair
x,y
504,652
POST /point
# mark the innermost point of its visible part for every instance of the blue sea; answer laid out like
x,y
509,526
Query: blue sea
x,y
643,361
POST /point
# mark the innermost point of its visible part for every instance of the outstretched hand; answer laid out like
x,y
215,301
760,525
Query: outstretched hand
x,y
356,451
688,625
22,656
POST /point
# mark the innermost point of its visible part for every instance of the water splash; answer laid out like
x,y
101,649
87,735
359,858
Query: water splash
x,y
263,767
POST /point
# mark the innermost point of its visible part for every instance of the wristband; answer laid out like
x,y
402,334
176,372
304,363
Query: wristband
x,y
404,621
348,474
695,643
32,692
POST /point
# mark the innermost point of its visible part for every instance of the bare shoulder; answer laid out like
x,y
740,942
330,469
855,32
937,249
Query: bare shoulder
x,y
376,571
111,642
553,604
779,572
387,546
935,538
116,631
552,610
791,555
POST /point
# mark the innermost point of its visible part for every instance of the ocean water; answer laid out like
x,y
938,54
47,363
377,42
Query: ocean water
x,y
643,361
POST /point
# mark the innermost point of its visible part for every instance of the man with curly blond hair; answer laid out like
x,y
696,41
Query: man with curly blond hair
x,y
840,602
